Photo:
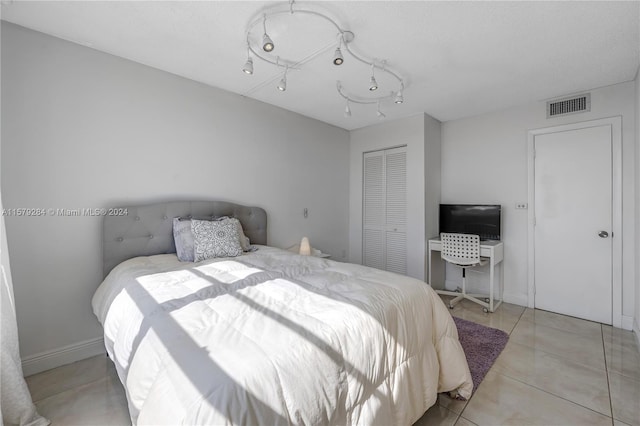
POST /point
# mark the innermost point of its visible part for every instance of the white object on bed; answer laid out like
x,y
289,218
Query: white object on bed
x,y
305,247
275,338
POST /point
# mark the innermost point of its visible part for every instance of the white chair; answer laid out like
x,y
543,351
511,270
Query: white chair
x,y
463,250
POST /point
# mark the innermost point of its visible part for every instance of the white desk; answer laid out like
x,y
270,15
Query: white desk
x,y
494,250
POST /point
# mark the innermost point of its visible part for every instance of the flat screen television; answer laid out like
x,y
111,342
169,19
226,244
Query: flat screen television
x,y
479,219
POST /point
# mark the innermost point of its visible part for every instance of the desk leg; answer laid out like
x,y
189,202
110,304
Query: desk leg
x,y
429,269
436,270
491,277
501,280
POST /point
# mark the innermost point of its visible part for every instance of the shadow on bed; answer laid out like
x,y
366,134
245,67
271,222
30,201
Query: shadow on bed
x,y
199,368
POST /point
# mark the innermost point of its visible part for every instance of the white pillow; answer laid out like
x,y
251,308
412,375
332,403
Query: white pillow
x,y
215,239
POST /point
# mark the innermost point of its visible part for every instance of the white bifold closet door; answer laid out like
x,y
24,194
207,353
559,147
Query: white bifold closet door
x,y
384,210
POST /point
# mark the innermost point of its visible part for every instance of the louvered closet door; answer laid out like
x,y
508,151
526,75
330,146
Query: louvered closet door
x,y
384,243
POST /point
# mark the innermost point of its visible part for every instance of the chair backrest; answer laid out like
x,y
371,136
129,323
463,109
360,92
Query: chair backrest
x,y
460,249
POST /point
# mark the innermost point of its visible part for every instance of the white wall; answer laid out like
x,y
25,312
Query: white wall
x,y
84,129
484,160
410,132
637,261
432,176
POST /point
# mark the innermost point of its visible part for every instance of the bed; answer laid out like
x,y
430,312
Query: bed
x,y
268,337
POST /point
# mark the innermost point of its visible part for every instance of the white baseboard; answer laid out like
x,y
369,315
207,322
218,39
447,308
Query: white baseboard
x,y
636,331
65,355
627,322
516,298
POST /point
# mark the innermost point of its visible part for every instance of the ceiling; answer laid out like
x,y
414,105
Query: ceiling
x,y
458,59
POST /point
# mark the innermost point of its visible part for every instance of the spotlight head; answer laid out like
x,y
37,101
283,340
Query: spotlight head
x,y
267,43
399,99
337,57
248,66
282,86
373,84
347,111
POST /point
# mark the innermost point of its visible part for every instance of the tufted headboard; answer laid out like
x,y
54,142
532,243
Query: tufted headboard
x,y
132,231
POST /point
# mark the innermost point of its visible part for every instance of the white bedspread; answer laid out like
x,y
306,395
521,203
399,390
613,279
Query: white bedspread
x,y
274,338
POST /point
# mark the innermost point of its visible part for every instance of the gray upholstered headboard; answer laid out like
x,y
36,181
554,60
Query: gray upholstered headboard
x,y
147,230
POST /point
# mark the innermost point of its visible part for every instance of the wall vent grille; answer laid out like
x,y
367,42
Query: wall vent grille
x,y
571,105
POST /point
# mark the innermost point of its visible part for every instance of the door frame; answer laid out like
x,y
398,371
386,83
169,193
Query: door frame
x,y
616,208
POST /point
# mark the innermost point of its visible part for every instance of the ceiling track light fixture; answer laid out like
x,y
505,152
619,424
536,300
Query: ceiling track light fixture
x,y
347,110
262,48
282,86
248,66
373,84
392,96
267,43
399,98
338,59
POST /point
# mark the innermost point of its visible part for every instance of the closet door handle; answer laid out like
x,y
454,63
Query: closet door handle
x,y
603,234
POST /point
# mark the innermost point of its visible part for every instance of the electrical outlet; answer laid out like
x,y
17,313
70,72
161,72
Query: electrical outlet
x,y
522,206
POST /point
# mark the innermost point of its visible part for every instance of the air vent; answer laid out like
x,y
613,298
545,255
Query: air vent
x,y
571,105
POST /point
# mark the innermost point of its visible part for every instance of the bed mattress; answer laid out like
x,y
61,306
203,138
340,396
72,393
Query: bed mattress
x,y
271,337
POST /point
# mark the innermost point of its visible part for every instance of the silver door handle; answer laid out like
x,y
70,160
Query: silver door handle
x,y
603,234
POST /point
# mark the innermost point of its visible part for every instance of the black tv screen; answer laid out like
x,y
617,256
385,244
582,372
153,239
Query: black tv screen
x,y
479,219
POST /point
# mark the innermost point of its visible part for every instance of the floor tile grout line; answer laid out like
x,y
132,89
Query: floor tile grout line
x,y
583,335
606,366
517,321
563,329
106,376
579,335
562,354
564,316
558,396
622,347
624,376
564,358
550,353
458,415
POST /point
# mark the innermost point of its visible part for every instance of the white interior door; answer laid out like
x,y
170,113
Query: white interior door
x,y
573,223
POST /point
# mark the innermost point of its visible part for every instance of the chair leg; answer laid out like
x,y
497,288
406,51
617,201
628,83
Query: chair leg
x,y
462,295
455,300
480,299
472,297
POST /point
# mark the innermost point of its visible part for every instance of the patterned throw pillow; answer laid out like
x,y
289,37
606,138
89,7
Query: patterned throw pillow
x,y
215,239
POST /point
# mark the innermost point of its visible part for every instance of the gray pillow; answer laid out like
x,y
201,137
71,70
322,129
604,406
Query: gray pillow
x,y
215,239
244,240
183,238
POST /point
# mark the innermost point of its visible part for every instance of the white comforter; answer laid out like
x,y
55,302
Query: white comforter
x,y
274,338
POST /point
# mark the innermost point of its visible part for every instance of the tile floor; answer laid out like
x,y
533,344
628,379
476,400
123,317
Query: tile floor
x,y
555,370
